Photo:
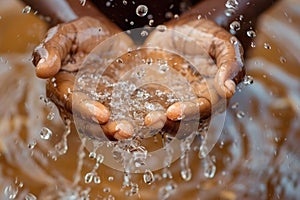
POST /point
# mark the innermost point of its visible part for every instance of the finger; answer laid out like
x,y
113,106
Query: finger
x,y
60,91
200,108
155,119
228,53
121,129
47,57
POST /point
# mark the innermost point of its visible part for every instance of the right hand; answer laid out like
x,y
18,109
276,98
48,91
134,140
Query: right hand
x,y
60,56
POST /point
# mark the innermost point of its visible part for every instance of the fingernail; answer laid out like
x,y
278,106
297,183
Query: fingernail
x,y
98,112
155,119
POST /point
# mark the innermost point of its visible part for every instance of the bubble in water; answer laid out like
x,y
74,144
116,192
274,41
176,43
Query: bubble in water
x,y
45,133
232,4
30,196
110,178
11,191
251,33
141,10
88,177
148,177
248,80
26,9
267,46
235,26
163,68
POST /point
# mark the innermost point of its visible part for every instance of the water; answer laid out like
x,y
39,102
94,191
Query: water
x,y
45,133
141,10
257,155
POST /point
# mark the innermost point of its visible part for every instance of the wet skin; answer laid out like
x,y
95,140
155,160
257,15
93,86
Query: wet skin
x,y
66,45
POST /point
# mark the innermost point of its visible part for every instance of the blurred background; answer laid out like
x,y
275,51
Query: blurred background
x,y
256,157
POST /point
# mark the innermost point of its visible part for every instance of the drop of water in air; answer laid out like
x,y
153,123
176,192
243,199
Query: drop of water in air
x,y
232,4
45,133
248,80
11,191
26,9
282,59
144,33
240,114
251,34
151,22
209,167
88,177
161,28
235,26
141,10
30,196
267,46
148,177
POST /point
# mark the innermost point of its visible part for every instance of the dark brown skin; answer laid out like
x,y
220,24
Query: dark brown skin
x,y
62,51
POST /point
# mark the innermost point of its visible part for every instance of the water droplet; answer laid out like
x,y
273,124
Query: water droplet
x,y
124,2
26,9
11,191
151,22
110,178
97,179
176,16
169,15
229,12
186,174
166,190
282,59
108,3
148,177
45,133
32,145
163,68
131,23
235,105
267,46
100,158
92,155
51,116
141,10
106,189
235,26
209,167
248,80
144,33
30,196
88,177
252,44
232,4
161,28
82,2
240,114
251,33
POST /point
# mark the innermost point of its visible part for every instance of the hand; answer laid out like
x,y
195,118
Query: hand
x,y
217,56
60,56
